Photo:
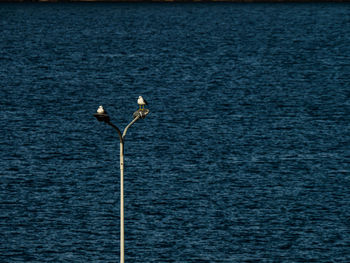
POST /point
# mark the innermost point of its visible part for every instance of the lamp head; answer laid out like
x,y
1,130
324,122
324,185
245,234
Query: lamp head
x,y
141,113
101,115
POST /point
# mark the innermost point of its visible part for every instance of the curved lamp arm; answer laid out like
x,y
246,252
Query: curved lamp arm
x,y
137,115
127,127
118,131
121,137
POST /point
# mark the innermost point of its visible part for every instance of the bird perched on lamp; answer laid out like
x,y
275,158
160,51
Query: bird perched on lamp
x,y
101,110
142,102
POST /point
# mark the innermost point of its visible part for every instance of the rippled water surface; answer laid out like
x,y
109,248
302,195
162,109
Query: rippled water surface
x,y
244,156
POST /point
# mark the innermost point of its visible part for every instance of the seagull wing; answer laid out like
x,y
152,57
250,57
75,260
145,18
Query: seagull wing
x,y
145,101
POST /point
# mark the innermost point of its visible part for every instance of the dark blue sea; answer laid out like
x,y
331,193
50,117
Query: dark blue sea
x,y
244,156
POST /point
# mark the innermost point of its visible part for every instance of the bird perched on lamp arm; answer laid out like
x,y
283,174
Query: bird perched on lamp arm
x,y
142,102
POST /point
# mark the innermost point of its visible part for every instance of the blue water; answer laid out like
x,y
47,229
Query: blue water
x,y
244,157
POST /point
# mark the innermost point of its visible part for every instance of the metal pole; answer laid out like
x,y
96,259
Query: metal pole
x,y
121,191
121,139
121,201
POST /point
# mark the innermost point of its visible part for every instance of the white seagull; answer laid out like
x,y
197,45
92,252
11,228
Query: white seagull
x,y
142,102
101,110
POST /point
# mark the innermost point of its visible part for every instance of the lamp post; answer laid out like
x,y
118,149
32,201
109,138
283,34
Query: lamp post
x,y
102,115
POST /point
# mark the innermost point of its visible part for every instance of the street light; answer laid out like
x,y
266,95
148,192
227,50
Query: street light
x,y
101,115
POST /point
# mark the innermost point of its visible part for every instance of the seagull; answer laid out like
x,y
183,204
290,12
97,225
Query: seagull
x,y
101,110
142,102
